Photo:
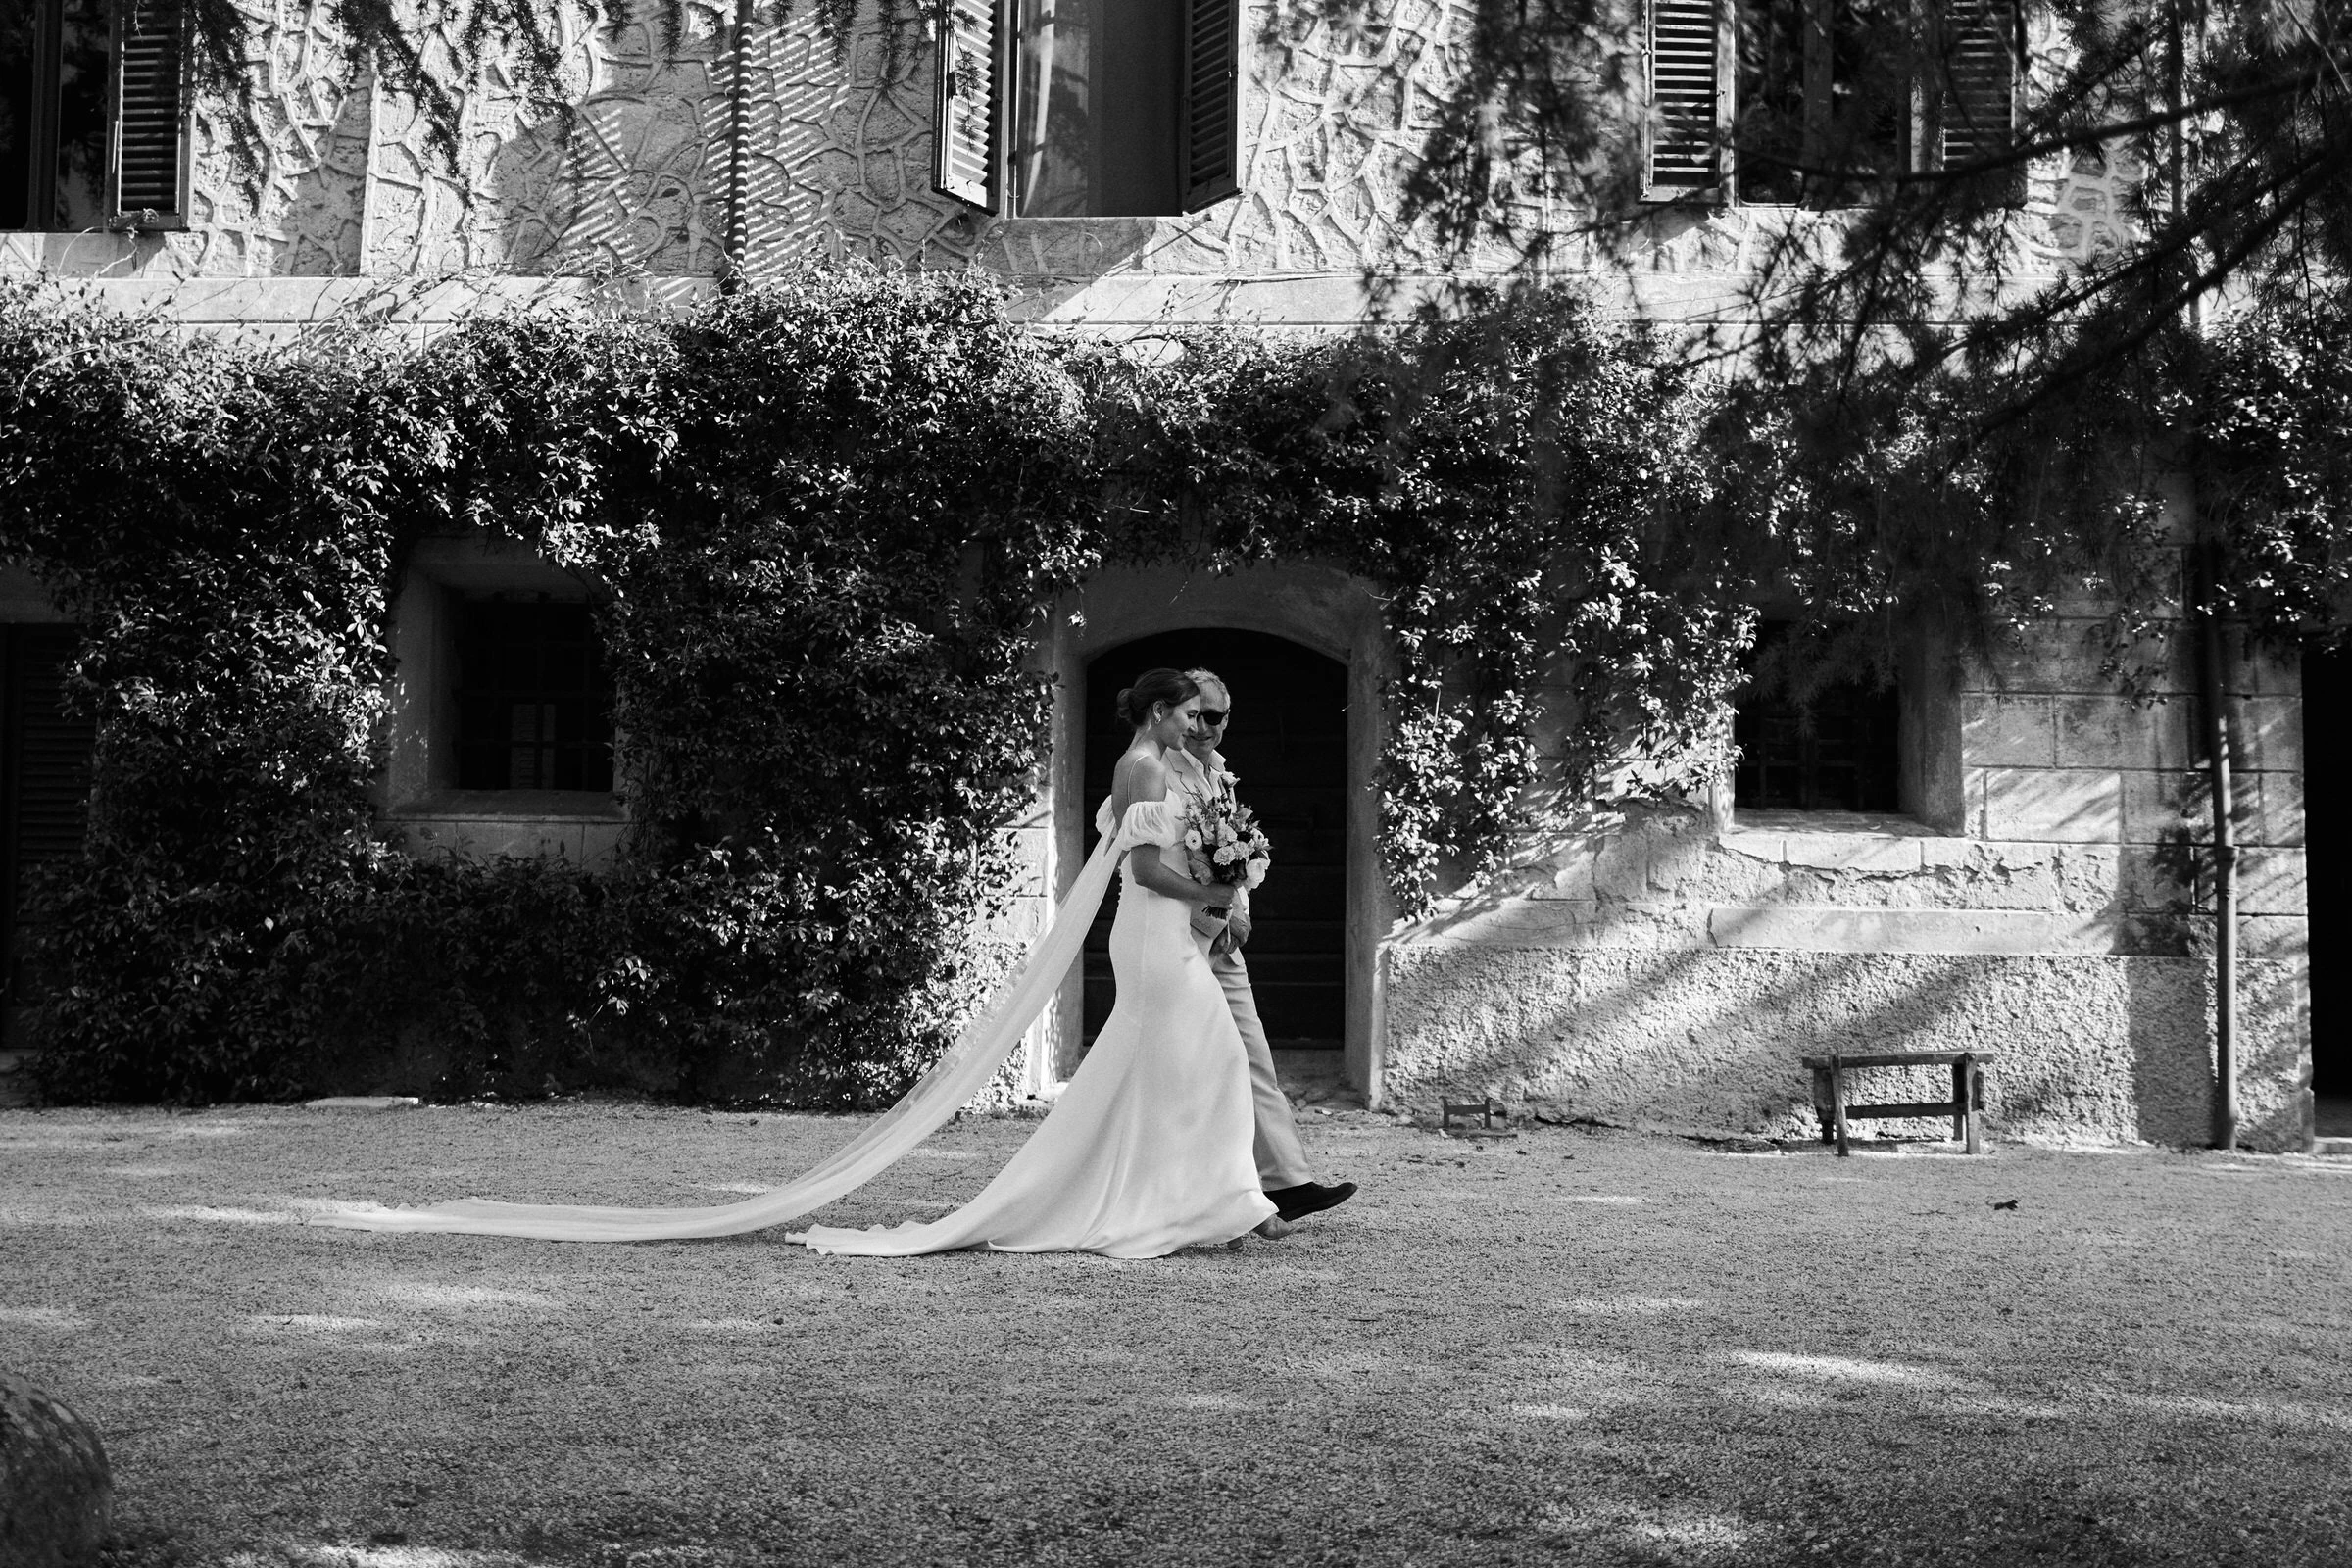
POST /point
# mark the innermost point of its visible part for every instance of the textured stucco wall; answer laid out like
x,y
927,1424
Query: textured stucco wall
x,y
628,177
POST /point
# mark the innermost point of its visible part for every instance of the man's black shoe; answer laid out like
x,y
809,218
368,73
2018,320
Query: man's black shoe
x,y
1310,1197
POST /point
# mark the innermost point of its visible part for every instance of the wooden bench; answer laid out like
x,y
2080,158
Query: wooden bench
x,y
1966,1108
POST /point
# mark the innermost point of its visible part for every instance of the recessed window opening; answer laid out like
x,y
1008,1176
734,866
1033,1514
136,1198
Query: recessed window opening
x,y
1809,101
534,699
1100,87
53,68
1088,108
1820,101
1809,744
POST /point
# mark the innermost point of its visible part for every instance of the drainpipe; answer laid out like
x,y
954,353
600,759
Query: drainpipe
x,y
738,241
2209,638
2225,856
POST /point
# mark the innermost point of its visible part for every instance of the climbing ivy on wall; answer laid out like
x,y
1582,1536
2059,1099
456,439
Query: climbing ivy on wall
x,y
1517,479
826,514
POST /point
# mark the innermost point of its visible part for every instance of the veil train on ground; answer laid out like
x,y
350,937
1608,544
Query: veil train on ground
x,y
930,1105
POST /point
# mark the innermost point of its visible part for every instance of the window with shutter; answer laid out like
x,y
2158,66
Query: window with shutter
x,y
964,160
1683,139
1818,122
148,183
1212,102
1977,111
1123,108
44,774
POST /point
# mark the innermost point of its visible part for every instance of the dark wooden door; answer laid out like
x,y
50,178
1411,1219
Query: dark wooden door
x,y
44,783
2327,754
1288,744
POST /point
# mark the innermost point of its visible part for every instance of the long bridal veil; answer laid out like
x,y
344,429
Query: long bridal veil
x,y
934,1100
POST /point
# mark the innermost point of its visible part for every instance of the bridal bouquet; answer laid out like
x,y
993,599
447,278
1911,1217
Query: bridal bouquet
x,y
1223,843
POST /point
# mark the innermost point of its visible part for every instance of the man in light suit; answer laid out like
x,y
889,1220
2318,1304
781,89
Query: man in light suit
x,y
1282,1167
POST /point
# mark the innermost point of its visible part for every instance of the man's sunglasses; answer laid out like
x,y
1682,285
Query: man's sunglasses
x,y
1213,717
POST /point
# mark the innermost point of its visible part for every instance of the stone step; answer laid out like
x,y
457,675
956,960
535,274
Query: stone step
x,y
2341,1148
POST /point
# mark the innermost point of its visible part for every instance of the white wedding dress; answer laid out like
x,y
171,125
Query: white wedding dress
x,y
1148,1149
1149,1146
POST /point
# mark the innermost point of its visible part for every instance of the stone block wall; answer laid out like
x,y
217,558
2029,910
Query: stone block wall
x,y
1674,970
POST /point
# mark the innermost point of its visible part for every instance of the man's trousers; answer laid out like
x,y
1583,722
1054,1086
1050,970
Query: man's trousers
x,y
1281,1161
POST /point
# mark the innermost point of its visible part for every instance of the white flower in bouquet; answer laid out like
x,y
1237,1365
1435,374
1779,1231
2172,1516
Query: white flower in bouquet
x,y
1191,838
1256,873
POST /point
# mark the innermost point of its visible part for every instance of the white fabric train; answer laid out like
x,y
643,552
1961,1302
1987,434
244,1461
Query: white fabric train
x,y
930,1105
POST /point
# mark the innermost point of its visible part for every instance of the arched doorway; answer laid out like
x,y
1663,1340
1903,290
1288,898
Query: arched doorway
x,y
1288,744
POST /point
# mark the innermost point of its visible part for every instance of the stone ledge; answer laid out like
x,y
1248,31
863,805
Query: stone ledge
x,y
510,805
1817,929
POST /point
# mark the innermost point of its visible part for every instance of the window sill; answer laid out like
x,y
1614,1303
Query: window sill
x,y
1754,819
499,805
1836,840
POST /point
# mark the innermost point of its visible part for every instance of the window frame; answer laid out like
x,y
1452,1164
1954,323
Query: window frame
x,y
975,39
148,155
1884,761
483,684
1924,131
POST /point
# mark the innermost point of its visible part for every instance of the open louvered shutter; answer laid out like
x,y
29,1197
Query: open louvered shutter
x,y
1683,149
965,114
1212,102
1977,116
147,164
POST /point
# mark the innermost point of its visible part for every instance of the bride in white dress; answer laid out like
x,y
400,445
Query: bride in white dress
x,y
1148,1149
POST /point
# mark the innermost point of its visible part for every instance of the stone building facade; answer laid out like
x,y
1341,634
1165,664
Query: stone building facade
x,y
2030,888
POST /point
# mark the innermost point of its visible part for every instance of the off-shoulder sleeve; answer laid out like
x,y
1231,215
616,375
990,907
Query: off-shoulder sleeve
x,y
1103,822
1152,822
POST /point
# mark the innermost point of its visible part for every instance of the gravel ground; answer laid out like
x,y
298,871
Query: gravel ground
x,y
1578,1345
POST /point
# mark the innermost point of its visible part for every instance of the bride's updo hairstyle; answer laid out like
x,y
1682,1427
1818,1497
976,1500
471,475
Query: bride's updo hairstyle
x,y
1151,688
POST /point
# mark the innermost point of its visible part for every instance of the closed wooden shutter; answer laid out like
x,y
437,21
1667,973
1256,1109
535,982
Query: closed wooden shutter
x,y
965,116
44,774
1977,114
147,173
53,750
1684,151
1212,102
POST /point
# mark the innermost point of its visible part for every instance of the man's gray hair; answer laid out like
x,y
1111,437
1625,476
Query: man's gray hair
x,y
1210,677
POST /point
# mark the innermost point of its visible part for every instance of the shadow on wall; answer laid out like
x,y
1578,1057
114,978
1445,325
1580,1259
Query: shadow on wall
x,y
629,179
2087,1046
322,229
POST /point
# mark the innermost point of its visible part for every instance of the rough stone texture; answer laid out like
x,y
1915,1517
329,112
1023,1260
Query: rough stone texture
x,y
57,1497
1673,969
2096,1047
590,842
